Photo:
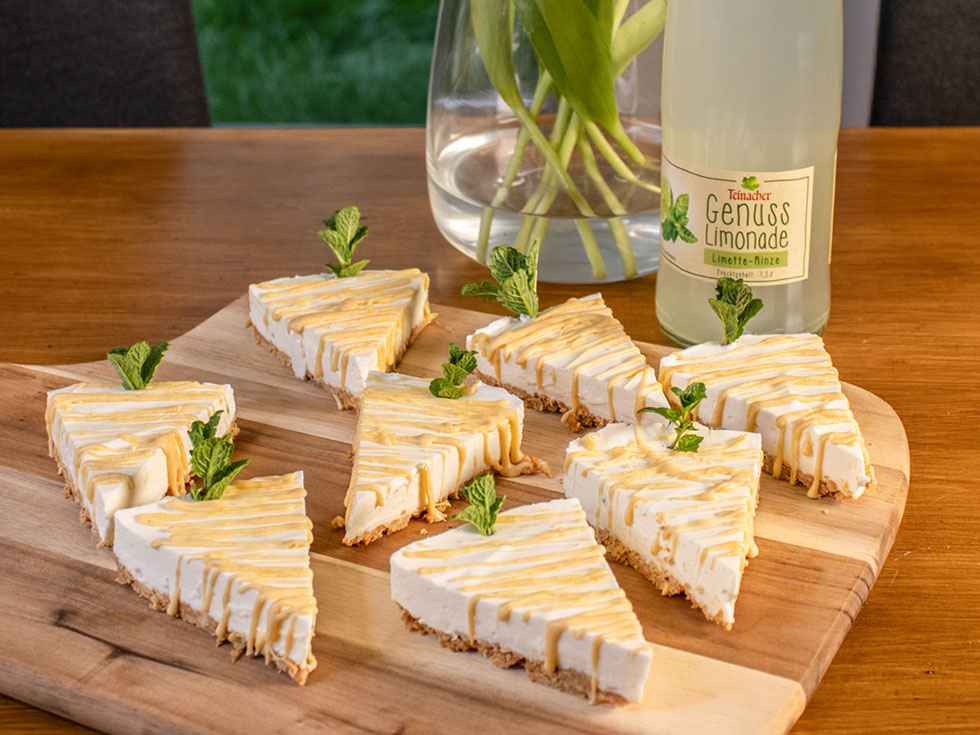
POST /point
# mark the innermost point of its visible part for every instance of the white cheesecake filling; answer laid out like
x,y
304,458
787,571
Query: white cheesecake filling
x,y
120,448
687,515
539,586
576,353
412,449
340,329
223,576
786,388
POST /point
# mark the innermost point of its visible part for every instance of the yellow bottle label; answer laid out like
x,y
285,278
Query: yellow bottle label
x,y
753,225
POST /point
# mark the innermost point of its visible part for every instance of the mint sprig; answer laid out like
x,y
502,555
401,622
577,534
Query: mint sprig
x,y
343,232
137,365
689,398
484,504
461,364
211,459
734,305
516,276
673,215
750,182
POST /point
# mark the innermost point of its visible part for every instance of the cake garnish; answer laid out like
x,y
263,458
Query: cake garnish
x,y
343,232
137,365
734,305
461,364
680,419
516,276
484,504
211,459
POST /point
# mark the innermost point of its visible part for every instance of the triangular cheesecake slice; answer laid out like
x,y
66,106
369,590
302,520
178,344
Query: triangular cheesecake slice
x,y
682,519
238,566
118,448
335,331
574,358
538,592
786,388
413,450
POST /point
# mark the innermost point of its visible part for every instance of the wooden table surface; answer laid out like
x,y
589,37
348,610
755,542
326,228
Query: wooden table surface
x,y
111,236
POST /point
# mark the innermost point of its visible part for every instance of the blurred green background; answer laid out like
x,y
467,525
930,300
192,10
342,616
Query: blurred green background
x,y
316,61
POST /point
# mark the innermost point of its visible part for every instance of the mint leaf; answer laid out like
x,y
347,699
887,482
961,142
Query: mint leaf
x,y
671,414
505,262
517,295
136,365
669,230
516,276
488,290
673,216
687,443
446,388
734,305
484,504
689,399
750,183
343,232
461,364
686,235
200,430
211,461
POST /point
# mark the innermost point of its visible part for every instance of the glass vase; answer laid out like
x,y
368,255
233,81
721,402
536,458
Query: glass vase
x,y
490,182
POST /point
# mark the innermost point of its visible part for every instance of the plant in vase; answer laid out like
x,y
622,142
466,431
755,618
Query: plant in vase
x,y
581,48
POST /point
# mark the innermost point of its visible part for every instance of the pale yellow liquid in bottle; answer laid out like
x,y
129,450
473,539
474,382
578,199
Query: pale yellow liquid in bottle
x,y
754,85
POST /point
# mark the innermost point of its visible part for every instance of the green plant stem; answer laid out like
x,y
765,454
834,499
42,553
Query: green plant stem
x,y
619,166
637,33
616,227
520,147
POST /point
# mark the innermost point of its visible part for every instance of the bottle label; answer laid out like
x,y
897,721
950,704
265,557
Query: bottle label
x,y
753,225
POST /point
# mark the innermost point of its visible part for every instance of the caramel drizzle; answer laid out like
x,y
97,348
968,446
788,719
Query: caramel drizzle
x,y
539,562
144,429
402,426
258,534
369,312
713,488
771,374
586,334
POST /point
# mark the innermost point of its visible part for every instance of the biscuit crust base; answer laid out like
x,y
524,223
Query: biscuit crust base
x,y
617,551
567,680
577,419
344,398
160,601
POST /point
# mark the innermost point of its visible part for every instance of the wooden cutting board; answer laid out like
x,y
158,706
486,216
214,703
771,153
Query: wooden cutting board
x,y
75,642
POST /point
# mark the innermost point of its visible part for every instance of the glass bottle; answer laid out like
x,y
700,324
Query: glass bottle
x,y
751,95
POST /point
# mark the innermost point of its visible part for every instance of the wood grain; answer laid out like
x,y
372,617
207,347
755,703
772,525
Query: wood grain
x,y
796,603
147,233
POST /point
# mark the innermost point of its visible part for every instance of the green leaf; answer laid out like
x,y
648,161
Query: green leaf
x,y
690,397
687,443
224,478
484,504
446,388
671,414
668,230
461,364
506,261
750,183
200,430
493,27
343,232
734,305
517,295
211,461
572,41
680,207
136,365
488,290
464,359
686,234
